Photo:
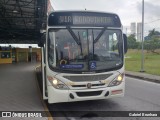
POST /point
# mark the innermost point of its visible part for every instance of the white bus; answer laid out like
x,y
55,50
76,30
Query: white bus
x,y
83,56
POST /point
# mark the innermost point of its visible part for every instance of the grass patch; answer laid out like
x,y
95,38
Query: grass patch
x,y
151,62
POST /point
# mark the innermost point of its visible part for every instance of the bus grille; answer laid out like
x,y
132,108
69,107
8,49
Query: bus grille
x,y
87,78
93,85
92,93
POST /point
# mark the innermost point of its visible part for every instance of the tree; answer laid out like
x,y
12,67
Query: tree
x,y
154,41
152,45
131,42
153,32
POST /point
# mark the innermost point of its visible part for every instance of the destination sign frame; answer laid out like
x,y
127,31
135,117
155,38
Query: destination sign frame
x,y
86,19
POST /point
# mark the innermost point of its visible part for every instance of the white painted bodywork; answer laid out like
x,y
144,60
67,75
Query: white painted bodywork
x,y
57,95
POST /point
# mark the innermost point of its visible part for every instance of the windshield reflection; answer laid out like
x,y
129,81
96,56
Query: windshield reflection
x,y
85,49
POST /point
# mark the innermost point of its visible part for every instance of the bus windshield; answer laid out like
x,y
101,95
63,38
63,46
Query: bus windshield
x,y
85,49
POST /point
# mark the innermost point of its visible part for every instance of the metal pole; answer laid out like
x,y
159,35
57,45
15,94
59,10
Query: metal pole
x,y
30,50
142,54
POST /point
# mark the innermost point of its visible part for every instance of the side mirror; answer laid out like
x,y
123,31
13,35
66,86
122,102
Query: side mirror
x,y
42,40
125,43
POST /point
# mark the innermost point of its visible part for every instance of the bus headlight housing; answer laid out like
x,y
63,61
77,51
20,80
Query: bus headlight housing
x,y
57,83
116,81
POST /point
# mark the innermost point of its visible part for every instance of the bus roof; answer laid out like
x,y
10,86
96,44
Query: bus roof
x,y
82,11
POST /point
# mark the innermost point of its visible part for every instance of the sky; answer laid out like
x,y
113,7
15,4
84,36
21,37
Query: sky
x,y
128,10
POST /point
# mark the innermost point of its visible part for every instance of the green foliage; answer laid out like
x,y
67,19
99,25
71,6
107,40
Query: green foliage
x,y
153,41
153,33
152,45
131,42
151,62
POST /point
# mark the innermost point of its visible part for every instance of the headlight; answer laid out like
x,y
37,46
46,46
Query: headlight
x,y
57,83
116,81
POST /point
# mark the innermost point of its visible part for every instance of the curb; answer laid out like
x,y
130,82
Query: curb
x,y
142,78
41,97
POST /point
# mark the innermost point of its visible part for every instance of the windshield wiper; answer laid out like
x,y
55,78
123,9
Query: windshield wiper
x,y
97,38
78,40
73,35
93,44
100,34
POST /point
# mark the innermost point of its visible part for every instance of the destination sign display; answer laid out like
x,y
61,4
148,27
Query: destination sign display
x,y
83,19
72,66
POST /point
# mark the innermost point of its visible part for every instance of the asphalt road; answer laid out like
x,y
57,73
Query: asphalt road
x,y
140,96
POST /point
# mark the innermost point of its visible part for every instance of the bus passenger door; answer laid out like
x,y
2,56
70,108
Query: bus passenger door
x,y
44,84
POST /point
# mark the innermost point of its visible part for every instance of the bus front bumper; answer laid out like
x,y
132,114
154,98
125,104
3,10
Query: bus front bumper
x,y
57,96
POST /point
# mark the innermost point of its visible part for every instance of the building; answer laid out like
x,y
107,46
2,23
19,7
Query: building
x,y
11,55
5,55
25,55
126,30
133,28
139,32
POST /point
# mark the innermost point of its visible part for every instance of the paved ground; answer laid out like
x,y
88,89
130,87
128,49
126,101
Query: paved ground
x,y
18,90
144,76
140,96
